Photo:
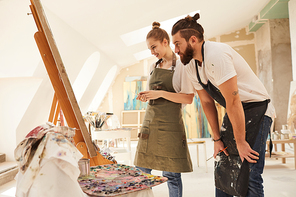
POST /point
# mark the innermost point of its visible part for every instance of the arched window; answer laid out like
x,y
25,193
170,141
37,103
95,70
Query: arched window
x,y
85,75
103,89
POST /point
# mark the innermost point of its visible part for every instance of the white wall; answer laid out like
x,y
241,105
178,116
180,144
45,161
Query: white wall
x,y
75,50
26,91
15,96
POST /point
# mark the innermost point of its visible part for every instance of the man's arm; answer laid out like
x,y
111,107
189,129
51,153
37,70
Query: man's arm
x,y
209,107
236,115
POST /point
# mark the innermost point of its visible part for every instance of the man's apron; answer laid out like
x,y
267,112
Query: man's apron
x,y
162,141
231,174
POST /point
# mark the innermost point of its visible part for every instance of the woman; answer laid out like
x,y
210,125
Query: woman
x,y
162,141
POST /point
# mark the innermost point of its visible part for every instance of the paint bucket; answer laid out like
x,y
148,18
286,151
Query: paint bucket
x,y
84,167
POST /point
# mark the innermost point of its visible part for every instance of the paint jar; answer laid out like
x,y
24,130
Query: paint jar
x,y
275,135
292,136
285,133
84,167
285,136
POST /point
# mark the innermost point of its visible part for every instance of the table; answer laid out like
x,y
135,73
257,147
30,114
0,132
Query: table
x,y
197,142
119,153
283,154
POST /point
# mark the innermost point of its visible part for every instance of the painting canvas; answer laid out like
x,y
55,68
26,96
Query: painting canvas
x,y
196,123
130,92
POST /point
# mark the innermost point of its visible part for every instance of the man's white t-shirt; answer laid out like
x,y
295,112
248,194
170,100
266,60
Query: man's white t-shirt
x,y
221,63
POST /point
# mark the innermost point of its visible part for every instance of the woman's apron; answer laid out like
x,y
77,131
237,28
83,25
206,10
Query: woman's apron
x,y
231,174
162,141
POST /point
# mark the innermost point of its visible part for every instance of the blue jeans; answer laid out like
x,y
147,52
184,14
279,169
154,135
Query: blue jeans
x,y
174,181
256,169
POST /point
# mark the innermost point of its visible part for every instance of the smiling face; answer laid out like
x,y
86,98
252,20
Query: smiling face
x,y
157,48
183,48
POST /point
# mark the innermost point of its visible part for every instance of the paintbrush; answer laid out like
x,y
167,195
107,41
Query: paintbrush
x,y
107,116
219,152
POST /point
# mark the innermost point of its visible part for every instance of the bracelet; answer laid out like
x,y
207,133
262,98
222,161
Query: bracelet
x,y
217,139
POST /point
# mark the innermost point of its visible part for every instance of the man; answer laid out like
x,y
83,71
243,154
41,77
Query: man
x,y
219,73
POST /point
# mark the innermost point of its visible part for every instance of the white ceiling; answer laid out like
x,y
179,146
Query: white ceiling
x,y
102,22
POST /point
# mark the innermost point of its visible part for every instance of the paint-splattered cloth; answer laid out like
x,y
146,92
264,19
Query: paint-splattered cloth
x,y
53,167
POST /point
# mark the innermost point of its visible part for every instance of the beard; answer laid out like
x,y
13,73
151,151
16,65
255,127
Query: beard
x,y
187,56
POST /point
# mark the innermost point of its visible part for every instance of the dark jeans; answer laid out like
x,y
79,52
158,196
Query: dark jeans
x,y
256,169
174,181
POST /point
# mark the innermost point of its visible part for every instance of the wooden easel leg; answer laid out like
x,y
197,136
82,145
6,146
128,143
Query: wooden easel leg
x,y
53,108
57,112
60,92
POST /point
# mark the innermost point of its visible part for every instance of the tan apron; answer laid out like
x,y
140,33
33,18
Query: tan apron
x,y
162,141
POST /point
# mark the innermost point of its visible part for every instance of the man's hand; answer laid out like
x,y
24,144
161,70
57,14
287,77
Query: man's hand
x,y
218,147
246,152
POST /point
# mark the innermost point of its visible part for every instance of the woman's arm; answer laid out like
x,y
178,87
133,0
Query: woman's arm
x,y
171,96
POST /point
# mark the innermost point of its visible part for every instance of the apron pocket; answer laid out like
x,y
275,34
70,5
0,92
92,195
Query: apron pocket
x,y
170,141
144,137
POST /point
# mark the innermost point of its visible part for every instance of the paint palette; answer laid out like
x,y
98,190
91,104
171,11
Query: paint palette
x,y
117,179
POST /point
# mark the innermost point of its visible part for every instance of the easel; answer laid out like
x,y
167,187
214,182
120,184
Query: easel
x,y
54,111
64,97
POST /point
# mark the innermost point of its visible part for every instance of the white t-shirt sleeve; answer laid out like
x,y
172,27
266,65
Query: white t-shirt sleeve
x,y
181,81
220,67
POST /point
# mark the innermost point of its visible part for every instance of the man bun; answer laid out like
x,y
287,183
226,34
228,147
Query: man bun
x,y
188,27
194,18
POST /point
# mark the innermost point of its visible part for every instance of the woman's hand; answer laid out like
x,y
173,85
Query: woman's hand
x,y
151,94
141,98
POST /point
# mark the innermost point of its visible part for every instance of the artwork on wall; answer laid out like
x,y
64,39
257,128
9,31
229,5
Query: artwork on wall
x,y
131,87
196,123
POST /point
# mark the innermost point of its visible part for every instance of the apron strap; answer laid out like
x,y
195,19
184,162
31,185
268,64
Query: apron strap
x,y
173,63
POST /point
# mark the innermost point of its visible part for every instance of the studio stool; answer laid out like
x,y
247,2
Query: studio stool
x,y
198,142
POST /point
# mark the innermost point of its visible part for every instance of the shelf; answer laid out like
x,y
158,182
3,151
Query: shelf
x,y
131,125
280,155
133,119
283,154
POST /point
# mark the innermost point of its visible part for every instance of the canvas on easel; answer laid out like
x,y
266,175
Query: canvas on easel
x,y
63,90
